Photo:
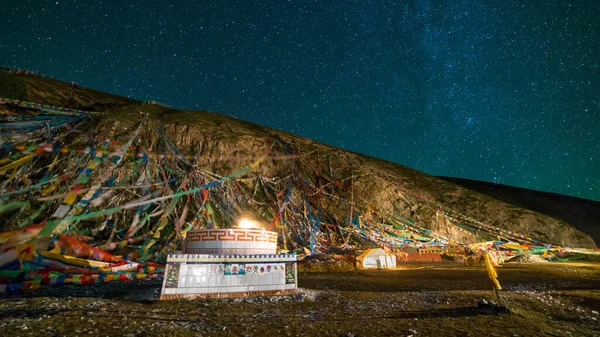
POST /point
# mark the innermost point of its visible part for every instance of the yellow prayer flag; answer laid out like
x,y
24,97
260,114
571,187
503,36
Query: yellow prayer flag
x,y
70,199
491,271
13,174
50,188
53,163
17,163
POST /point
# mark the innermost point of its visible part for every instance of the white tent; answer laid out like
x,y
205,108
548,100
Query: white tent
x,y
376,259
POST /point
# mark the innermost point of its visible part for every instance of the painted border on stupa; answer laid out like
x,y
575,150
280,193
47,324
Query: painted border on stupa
x,y
231,241
250,235
217,276
231,295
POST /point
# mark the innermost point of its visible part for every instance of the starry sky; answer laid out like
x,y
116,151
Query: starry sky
x,y
500,91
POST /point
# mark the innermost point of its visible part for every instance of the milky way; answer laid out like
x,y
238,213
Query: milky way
x,y
499,91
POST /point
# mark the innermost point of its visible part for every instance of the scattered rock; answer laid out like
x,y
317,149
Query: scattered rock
x,y
528,258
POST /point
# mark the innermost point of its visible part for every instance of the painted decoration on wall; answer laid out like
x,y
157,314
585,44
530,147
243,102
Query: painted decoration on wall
x,y
241,270
248,269
234,269
220,269
290,273
227,269
172,276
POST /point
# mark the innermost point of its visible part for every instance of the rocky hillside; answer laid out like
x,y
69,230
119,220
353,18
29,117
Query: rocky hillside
x,y
316,195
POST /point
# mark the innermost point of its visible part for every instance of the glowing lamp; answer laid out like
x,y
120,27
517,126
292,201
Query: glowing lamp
x,y
249,224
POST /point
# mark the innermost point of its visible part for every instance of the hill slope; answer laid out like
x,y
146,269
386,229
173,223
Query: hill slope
x,y
583,214
317,196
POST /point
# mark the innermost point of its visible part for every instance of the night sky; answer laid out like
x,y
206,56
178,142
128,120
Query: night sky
x,y
500,91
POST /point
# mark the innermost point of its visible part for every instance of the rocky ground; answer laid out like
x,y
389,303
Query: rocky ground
x,y
553,299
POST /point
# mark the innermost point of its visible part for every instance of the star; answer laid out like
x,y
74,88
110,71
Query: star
x,y
484,91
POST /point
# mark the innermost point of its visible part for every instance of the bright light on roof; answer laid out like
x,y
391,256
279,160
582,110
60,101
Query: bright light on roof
x,y
247,223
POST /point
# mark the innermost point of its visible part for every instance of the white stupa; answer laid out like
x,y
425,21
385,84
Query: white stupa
x,y
229,262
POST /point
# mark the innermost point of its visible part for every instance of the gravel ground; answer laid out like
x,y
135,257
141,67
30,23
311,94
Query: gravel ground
x,y
557,299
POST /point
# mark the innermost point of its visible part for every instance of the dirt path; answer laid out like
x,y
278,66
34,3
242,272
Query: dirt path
x,y
420,300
